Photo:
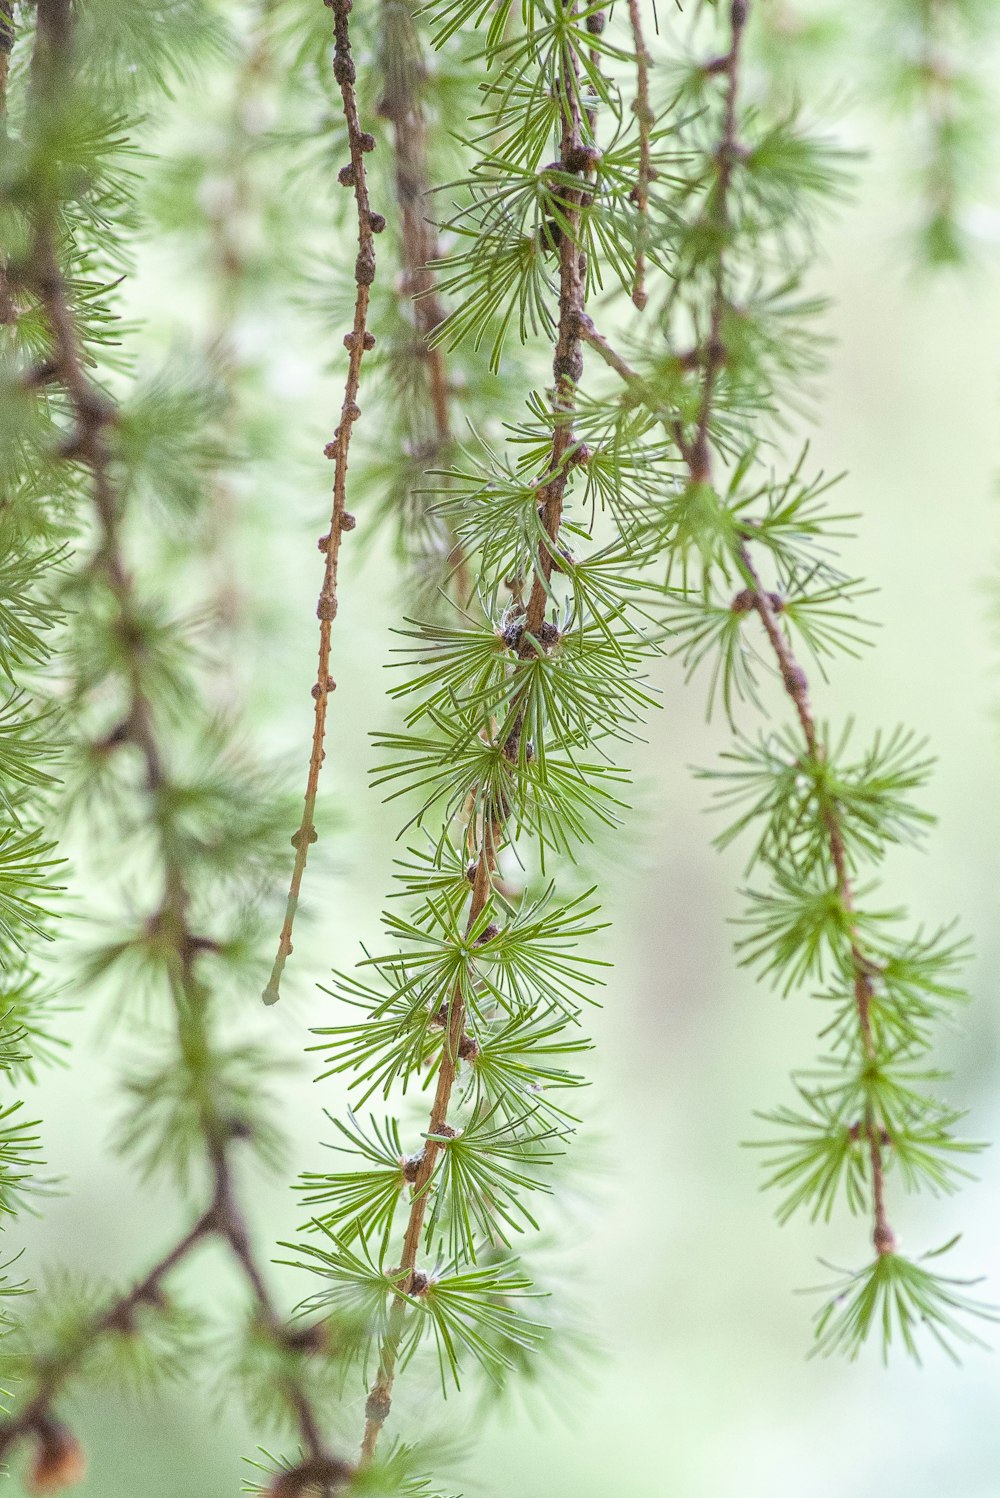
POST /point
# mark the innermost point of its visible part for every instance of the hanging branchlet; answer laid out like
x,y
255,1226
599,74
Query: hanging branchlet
x,y
357,342
486,841
867,1116
125,654
415,361
932,72
643,111
36,529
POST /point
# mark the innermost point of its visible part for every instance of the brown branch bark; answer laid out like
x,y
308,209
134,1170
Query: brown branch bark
x,y
8,309
357,341
642,109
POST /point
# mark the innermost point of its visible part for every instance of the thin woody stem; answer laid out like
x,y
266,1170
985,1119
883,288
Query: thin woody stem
x,y
643,111
8,310
567,369
698,455
116,1319
797,687
402,107
7,35
357,341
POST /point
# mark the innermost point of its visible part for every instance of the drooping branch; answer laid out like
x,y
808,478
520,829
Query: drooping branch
x,y
402,105
357,342
89,444
486,834
697,456
696,451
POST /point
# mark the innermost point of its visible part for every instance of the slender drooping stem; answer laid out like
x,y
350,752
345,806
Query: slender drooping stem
x,y
94,415
357,342
696,451
8,311
486,834
643,111
401,104
697,456
7,35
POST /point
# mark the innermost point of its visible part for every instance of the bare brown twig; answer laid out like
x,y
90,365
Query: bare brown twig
x,y
357,342
643,111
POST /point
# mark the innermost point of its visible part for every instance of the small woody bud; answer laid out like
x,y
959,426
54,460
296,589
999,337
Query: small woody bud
x,y
318,1474
59,1461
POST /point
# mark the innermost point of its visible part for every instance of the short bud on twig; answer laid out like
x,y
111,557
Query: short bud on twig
x,y
377,1406
746,600
319,1474
313,1338
411,1166
347,175
582,158
511,635
795,680
59,1460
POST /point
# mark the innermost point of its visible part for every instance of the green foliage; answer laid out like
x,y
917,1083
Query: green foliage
x,y
152,1346
903,1300
558,538
511,735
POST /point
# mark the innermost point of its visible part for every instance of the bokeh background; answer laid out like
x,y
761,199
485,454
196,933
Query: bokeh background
x,y
701,1386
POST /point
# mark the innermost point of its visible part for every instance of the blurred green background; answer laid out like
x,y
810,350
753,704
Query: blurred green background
x,y
701,1387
